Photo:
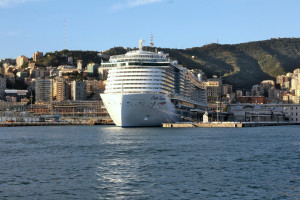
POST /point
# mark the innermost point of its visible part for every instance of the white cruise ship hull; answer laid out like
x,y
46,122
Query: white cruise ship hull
x,y
130,110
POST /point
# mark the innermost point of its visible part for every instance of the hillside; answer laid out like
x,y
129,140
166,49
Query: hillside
x,y
60,57
241,65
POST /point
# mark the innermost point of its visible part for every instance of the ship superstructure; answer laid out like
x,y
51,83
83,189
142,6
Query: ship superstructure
x,y
146,89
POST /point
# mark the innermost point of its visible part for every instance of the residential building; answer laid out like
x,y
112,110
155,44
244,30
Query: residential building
x,y
92,69
295,99
297,92
21,60
8,61
226,89
295,82
94,88
78,91
287,84
274,94
238,93
37,73
37,55
213,89
267,84
62,90
22,74
43,90
257,91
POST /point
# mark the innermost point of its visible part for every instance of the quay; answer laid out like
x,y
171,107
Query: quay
x,y
226,124
12,124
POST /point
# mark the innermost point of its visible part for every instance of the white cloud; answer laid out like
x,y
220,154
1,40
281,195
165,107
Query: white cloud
x,y
133,3
11,33
11,3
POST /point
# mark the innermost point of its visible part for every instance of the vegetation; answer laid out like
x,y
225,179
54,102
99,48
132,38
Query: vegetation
x,y
61,58
242,65
25,64
75,76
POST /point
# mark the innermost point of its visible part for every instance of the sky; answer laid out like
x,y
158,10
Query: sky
x,y
27,26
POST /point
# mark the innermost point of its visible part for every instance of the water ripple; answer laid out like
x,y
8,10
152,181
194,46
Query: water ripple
x,y
97,162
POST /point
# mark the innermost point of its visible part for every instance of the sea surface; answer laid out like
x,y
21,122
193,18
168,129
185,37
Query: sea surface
x,y
107,162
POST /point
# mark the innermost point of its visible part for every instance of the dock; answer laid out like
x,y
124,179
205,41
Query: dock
x,y
12,124
225,124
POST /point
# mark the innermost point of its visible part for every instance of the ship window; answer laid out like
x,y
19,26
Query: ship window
x,y
149,64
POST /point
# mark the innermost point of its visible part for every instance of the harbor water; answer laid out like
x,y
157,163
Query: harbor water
x,y
107,162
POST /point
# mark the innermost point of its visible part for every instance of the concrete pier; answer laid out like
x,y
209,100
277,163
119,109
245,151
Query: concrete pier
x,y
226,124
12,124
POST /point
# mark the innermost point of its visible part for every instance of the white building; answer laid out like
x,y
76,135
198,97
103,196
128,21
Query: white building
x,y
79,65
265,112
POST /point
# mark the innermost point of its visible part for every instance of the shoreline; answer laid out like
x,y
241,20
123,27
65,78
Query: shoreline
x,y
13,124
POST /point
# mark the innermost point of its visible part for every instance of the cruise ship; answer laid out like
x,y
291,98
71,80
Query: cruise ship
x,y
145,88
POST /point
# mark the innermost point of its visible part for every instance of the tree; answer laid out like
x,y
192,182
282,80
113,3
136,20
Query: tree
x,y
25,65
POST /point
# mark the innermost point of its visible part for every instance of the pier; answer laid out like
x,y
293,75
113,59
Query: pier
x,y
12,124
226,124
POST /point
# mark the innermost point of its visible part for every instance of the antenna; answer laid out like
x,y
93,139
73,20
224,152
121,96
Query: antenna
x,y
151,43
64,33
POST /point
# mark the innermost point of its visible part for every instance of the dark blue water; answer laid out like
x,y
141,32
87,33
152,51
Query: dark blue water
x,y
94,162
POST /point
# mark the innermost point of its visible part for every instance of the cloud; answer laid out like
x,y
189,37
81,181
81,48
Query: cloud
x,y
11,3
133,3
11,33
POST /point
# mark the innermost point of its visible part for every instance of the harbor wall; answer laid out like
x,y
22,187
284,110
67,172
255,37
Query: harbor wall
x,y
227,124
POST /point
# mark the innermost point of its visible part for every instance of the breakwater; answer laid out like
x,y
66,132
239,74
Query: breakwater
x,y
226,124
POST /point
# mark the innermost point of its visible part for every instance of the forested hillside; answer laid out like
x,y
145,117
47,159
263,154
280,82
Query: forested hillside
x,y
241,65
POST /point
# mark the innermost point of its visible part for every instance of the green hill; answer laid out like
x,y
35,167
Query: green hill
x,y
241,65
61,57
